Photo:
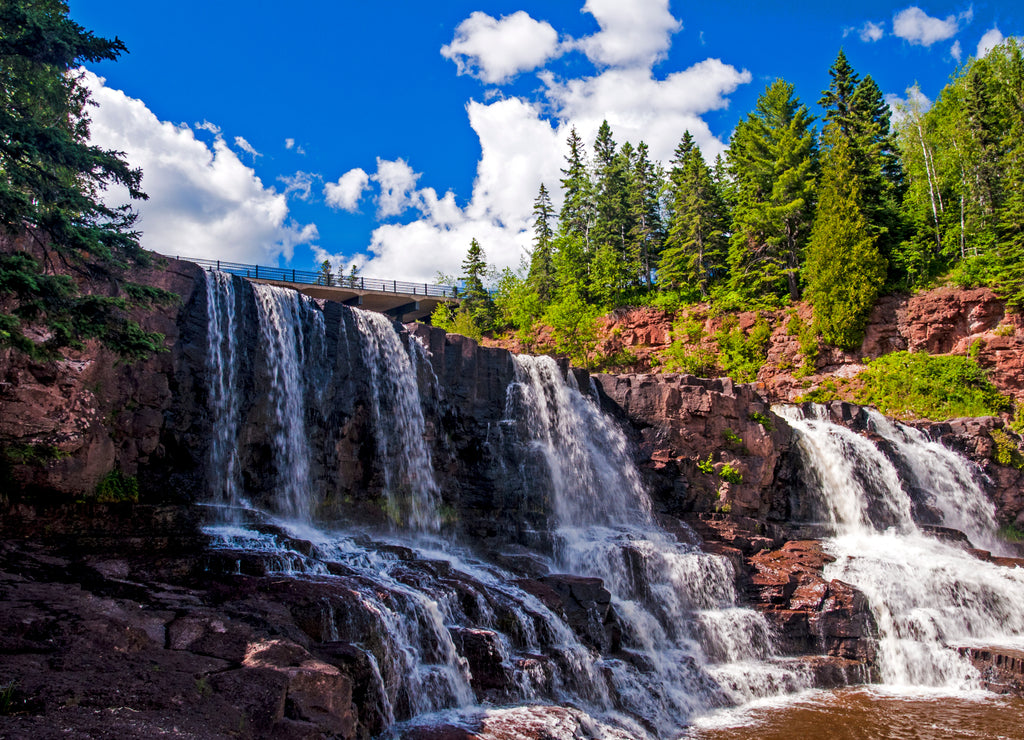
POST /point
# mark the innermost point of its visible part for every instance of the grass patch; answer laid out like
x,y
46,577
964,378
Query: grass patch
x,y
916,384
116,487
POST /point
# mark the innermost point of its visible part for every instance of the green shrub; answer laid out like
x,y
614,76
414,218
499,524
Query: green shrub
x,y
731,437
932,387
1011,534
742,355
763,419
730,473
706,466
1006,452
116,487
1005,330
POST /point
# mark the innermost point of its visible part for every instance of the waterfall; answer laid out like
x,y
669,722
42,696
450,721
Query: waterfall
x,y
222,368
687,647
402,451
292,330
928,596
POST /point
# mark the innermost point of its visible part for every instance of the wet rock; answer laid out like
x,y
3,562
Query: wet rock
x,y
1002,669
482,650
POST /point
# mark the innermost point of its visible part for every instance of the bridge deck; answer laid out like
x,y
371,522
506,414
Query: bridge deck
x,y
404,300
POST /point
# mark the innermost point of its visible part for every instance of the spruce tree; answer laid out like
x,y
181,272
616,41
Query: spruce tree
x,y
694,252
772,158
541,276
476,300
643,200
51,179
845,271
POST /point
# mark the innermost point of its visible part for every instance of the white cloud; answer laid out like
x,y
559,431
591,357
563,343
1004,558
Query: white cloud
x,y
639,106
348,190
522,145
397,182
871,32
992,38
301,184
246,147
917,27
915,100
956,51
633,34
203,201
289,143
495,50
207,126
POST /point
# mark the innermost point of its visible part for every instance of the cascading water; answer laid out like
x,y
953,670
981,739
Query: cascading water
x,y
222,366
687,647
402,451
292,332
928,596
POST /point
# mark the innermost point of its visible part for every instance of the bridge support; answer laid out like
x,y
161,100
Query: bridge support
x,y
356,300
399,311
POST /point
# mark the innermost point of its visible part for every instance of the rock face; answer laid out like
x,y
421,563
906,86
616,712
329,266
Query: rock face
x,y
67,425
706,445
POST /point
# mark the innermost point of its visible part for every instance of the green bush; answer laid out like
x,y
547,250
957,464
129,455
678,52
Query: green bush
x,y
932,387
742,355
730,473
1006,452
706,466
116,487
763,419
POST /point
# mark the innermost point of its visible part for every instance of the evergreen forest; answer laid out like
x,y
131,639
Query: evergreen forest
x,y
835,212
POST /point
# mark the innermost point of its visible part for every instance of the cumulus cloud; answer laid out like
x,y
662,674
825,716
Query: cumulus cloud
x,y
203,201
956,51
346,193
397,181
495,50
522,144
917,27
992,38
633,34
871,32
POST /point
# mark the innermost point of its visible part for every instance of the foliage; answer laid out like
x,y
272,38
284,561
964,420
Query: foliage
x,y
1010,533
742,355
7,698
730,474
929,386
573,325
455,320
706,466
763,419
1006,451
844,269
51,179
116,487
687,354
19,453
772,158
476,301
809,347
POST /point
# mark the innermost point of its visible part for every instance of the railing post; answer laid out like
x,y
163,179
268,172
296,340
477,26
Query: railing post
x,y
293,274
361,286
257,270
394,286
218,265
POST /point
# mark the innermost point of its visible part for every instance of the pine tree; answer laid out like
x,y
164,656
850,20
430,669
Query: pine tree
x,y
50,183
476,301
772,158
643,202
542,268
577,215
844,271
694,252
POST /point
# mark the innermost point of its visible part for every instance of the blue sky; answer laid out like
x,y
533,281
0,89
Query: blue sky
x,y
389,134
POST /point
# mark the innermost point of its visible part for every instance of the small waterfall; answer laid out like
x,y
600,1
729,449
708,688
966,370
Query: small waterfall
x,y
402,451
686,646
222,366
928,596
292,332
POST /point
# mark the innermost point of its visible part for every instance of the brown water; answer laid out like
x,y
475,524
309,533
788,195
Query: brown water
x,y
862,714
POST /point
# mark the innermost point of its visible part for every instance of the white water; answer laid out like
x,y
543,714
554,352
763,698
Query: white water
x,y
293,330
222,366
402,450
928,596
692,647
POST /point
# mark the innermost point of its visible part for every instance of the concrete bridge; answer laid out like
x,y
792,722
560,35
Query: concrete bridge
x,y
399,299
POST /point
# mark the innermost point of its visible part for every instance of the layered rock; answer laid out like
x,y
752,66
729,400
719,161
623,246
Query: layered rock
x,y
706,444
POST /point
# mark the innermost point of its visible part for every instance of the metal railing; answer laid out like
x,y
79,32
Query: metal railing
x,y
308,277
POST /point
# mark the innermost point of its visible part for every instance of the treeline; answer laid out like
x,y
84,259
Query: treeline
x,y
864,206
